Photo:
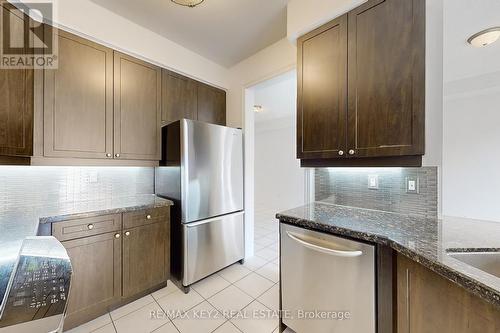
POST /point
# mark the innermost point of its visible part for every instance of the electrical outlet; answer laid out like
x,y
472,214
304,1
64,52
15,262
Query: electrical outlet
x,y
373,182
93,177
412,185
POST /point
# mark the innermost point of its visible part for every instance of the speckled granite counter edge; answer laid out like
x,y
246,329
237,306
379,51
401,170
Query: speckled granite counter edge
x,y
470,284
118,210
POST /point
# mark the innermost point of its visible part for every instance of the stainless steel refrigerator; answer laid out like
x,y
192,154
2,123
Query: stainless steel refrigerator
x,y
202,172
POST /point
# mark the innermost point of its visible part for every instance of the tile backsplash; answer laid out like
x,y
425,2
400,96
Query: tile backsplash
x,y
349,187
33,186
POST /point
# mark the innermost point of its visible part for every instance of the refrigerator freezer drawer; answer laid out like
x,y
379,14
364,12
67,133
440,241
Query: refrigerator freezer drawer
x,y
212,244
332,275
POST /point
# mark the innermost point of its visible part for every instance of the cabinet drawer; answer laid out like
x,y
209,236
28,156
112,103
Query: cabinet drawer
x,y
85,227
145,216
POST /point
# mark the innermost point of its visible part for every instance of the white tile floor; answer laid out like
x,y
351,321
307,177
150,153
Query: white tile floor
x,y
221,303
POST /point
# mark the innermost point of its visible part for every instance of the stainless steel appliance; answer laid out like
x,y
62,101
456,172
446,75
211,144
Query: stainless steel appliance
x,y
327,282
37,292
202,172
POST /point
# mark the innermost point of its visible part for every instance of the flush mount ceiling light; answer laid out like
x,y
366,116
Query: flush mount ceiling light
x,y
188,3
485,37
258,108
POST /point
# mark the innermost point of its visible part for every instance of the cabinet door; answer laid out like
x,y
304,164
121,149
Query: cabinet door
x,y
137,108
322,91
178,97
146,257
16,97
96,280
78,100
427,302
211,104
387,78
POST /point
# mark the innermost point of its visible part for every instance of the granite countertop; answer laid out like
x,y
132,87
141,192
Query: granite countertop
x,y
426,241
25,221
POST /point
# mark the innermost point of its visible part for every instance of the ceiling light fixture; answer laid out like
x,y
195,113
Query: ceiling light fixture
x,y
258,108
188,3
485,37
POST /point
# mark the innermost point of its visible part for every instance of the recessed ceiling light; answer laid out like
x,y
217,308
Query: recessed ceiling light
x,y
258,108
485,37
188,3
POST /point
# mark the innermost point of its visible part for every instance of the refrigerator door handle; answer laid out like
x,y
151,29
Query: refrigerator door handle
x,y
195,224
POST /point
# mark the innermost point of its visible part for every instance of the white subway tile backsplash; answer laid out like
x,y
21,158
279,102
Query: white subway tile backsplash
x,y
349,187
34,186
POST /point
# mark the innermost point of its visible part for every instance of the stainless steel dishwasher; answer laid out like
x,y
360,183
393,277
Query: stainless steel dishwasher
x,y
327,282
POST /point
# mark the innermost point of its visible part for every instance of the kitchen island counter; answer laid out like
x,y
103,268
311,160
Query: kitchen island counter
x,y
426,241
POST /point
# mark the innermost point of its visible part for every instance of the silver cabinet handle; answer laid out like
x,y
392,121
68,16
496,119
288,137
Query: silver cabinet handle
x,y
117,155
333,252
127,233
341,152
117,235
148,217
352,152
90,226
109,155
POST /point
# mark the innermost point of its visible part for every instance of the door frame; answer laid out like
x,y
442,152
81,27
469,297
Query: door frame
x,y
248,117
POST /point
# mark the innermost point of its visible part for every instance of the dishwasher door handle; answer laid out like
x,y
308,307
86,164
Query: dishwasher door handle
x,y
333,252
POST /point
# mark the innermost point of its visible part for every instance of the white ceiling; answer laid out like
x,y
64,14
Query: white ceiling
x,y
224,31
463,18
277,98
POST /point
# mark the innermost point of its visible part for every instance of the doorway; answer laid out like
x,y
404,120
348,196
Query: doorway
x,y
278,180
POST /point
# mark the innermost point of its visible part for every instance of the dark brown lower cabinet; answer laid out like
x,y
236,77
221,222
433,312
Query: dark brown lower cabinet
x,y
145,257
113,265
428,303
97,276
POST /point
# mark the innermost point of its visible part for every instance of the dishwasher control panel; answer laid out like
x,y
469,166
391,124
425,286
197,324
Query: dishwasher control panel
x,y
38,283
39,288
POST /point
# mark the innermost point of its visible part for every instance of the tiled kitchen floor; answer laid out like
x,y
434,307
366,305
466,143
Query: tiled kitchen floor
x,y
229,297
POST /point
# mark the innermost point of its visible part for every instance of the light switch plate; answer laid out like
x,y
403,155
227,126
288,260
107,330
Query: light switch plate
x,y
412,185
373,182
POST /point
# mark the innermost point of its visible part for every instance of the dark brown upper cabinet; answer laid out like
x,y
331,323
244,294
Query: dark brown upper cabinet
x,y
361,87
178,97
137,108
98,107
322,91
16,97
183,97
387,78
78,100
211,104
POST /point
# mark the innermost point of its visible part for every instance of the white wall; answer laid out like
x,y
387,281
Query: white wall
x,y
85,18
471,157
463,18
279,180
434,92
274,60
